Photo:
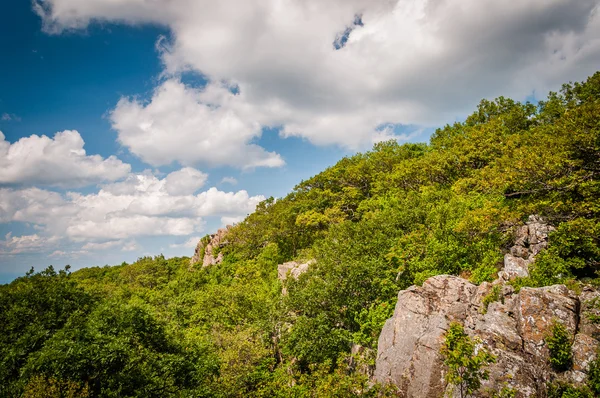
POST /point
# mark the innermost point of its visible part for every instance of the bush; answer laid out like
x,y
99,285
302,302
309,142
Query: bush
x,y
464,360
559,343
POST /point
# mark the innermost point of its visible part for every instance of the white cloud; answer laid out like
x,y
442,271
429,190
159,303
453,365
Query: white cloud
x,y
420,62
71,254
229,180
188,244
130,246
141,205
190,126
12,245
231,220
124,245
59,161
101,246
185,181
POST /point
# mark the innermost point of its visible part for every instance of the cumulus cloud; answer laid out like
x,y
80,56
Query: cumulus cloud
x,y
111,244
229,180
185,181
188,244
334,72
191,126
124,245
60,161
141,205
13,245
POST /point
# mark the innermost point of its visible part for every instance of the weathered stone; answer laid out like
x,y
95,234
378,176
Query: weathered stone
x,y
409,344
537,308
513,329
590,303
293,269
530,239
584,350
515,267
498,328
206,253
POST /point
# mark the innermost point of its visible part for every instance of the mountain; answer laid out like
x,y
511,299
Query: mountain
x,y
292,301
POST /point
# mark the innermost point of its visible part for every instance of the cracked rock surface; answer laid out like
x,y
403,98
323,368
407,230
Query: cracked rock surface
x,y
513,328
206,254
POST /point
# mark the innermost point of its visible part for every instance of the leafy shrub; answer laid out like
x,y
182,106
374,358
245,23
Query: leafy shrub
x,y
465,361
566,390
593,380
559,343
494,295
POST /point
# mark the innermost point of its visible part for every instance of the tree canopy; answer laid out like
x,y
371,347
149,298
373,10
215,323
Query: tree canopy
x,y
375,223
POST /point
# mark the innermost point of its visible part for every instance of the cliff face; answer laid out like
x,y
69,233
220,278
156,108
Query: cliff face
x,y
513,327
206,252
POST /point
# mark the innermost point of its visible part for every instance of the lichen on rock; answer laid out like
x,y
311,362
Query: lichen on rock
x,y
514,328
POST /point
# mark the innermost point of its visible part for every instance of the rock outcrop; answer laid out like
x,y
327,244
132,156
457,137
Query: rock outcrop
x,y
513,328
292,269
530,239
206,252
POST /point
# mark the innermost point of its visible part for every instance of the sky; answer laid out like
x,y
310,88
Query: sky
x,y
135,127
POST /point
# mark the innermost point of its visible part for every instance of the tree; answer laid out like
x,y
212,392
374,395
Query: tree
x,y
559,343
465,360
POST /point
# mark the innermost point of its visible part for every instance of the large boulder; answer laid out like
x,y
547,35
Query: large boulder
x,y
513,329
409,344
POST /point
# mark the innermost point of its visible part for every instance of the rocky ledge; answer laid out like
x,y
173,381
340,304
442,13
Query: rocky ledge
x,y
205,252
513,328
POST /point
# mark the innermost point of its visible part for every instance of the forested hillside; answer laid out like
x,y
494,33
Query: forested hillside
x,y
375,223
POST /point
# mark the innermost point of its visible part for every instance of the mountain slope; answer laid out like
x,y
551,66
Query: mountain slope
x,y
374,223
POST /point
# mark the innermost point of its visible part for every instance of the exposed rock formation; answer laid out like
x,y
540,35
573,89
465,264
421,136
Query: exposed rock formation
x,y
531,238
514,331
206,251
292,268
513,328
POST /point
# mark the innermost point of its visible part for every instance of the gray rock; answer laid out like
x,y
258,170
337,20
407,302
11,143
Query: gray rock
x,y
292,269
206,253
409,344
513,329
530,239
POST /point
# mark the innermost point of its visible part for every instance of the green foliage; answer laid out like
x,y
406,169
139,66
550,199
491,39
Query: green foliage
x,y
371,322
593,376
505,392
465,360
375,223
41,387
121,350
32,309
494,295
565,390
559,343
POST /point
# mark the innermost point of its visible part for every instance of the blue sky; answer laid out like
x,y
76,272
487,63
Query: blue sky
x,y
190,112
